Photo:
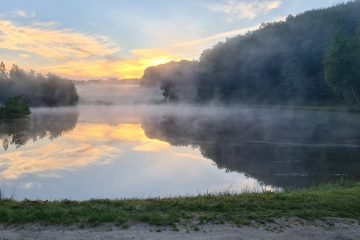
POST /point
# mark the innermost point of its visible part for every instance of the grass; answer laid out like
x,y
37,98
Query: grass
x,y
332,200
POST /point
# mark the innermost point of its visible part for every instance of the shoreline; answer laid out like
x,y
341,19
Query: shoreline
x,y
337,200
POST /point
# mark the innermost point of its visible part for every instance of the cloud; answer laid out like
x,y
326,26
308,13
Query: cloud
x,y
73,54
195,47
24,14
131,67
45,47
23,55
46,24
239,10
217,37
53,44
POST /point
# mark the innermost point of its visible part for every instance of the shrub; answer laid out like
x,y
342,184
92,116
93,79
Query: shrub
x,y
14,107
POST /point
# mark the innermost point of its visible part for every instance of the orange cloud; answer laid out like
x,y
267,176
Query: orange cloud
x,y
75,55
53,44
124,68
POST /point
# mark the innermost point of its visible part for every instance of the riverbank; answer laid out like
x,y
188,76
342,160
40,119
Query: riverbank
x,y
340,200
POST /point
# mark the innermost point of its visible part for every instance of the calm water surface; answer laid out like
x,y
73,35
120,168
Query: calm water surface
x,y
150,151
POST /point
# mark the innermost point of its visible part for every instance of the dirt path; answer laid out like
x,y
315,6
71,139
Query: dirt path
x,y
327,229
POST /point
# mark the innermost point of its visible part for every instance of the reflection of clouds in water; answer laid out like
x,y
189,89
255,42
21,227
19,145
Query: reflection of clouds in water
x,y
108,154
265,144
152,146
31,185
131,133
53,157
88,144
173,172
190,156
111,161
180,166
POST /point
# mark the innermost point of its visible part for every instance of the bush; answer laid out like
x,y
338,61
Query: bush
x,y
14,107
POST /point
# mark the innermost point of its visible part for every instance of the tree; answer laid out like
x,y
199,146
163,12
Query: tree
x,y
342,67
36,89
280,63
14,107
16,73
3,73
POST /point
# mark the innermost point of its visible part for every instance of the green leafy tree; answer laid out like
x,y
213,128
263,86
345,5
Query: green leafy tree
x,y
14,107
342,67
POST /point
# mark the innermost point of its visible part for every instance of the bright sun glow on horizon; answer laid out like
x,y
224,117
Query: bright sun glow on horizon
x,y
82,43
75,55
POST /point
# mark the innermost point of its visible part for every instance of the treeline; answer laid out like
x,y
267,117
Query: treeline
x,y
36,89
309,59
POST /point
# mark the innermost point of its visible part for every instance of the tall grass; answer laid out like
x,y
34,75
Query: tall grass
x,y
340,199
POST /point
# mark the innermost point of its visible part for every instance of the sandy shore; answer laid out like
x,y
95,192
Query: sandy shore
x,y
326,229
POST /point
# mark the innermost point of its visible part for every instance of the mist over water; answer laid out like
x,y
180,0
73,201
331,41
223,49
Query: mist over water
x,y
117,94
117,145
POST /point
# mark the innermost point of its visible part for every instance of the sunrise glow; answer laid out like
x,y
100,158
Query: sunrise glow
x,y
117,45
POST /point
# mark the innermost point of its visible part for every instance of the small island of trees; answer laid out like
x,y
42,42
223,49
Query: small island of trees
x,y
36,89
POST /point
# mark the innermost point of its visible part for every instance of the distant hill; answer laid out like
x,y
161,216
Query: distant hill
x,y
309,59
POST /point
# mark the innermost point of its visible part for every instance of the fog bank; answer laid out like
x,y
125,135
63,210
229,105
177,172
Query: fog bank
x,y
117,94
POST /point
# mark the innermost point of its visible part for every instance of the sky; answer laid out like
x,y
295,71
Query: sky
x,y
102,39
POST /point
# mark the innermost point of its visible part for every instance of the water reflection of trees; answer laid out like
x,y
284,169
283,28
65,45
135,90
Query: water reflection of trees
x,y
286,149
41,124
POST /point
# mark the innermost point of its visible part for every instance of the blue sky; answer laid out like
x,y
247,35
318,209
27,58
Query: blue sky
x,y
119,38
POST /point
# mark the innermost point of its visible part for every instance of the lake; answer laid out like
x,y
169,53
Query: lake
x,y
141,151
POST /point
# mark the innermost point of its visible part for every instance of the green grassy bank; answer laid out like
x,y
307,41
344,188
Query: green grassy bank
x,y
332,200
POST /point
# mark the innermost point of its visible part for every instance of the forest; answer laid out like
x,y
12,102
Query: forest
x,y
36,89
309,59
